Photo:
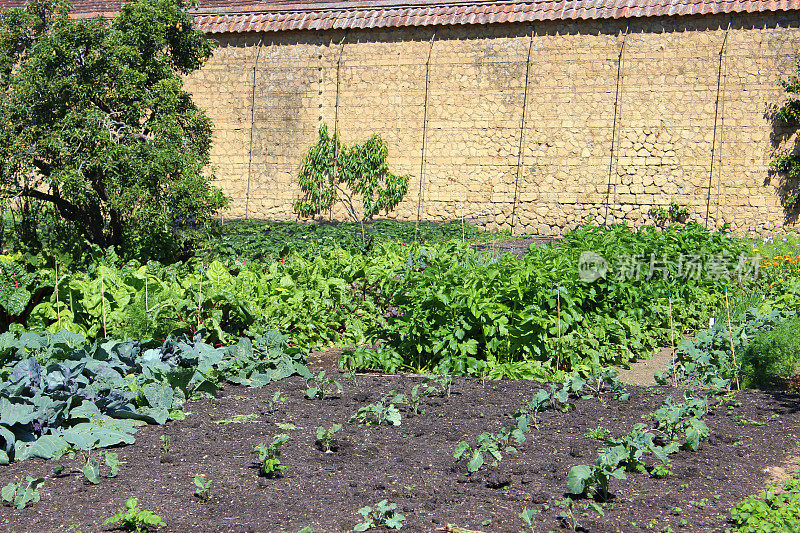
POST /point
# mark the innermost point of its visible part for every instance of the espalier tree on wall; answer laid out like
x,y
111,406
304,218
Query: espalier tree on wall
x,y
787,162
329,166
94,119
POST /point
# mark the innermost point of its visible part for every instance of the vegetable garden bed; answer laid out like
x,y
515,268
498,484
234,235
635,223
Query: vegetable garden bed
x,y
411,464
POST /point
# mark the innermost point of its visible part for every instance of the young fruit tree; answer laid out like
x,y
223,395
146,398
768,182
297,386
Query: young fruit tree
x,y
331,172
94,119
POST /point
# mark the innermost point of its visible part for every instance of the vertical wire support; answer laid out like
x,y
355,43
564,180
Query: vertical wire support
x,y
614,124
714,135
338,81
424,134
522,130
252,127
336,114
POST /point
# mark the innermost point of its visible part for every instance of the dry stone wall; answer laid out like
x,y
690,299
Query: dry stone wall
x,y
537,126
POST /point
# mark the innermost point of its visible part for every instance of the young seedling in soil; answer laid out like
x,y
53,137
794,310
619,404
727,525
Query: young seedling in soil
x,y
203,490
443,382
537,404
317,387
351,374
493,444
91,467
91,470
383,514
598,433
325,437
418,392
660,471
570,512
135,519
164,444
384,410
276,401
269,456
21,493
487,443
238,419
673,419
582,477
634,445
527,516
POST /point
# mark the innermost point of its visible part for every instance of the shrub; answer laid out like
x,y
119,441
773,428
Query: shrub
x,y
772,354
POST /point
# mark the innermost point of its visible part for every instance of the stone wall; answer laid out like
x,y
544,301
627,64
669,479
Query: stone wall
x,y
619,116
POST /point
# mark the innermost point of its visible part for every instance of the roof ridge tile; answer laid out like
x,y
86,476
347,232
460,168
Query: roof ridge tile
x,y
237,16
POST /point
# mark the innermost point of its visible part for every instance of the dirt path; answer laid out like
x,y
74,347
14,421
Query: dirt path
x,y
641,372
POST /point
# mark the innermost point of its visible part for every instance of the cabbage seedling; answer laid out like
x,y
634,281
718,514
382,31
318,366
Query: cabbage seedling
x,y
20,494
383,514
135,519
325,436
203,490
269,456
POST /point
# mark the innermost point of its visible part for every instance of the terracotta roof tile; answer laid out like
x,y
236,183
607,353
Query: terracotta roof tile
x,y
236,16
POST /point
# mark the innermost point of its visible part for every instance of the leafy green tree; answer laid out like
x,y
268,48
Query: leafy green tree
x,y
94,119
329,166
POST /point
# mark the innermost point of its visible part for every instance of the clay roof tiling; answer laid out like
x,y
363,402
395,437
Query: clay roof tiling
x,y
238,16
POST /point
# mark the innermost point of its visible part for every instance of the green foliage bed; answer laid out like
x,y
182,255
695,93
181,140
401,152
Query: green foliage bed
x,y
433,306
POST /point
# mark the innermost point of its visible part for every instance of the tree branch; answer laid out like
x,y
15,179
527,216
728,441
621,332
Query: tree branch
x,y
68,210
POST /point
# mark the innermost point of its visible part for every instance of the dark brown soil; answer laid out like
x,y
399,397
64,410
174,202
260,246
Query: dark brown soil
x,y
411,464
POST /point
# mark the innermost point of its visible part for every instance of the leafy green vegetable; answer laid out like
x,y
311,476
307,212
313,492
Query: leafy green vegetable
x,y
771,511
269,456
135,519
319,386
20,494
383,411
97,395
325,436
453,309
383,514
203,490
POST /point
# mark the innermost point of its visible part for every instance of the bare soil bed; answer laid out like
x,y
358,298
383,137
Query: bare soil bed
x,y
411,465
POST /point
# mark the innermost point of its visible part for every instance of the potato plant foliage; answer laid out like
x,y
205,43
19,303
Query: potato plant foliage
x,y
94,119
